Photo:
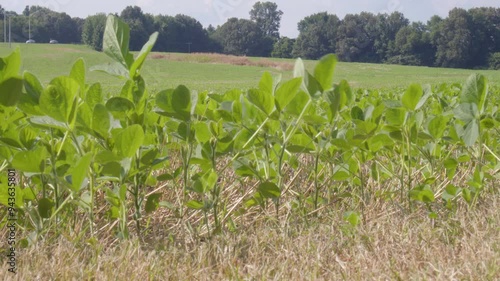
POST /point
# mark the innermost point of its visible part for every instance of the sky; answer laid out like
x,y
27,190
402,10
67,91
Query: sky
x,y
216,12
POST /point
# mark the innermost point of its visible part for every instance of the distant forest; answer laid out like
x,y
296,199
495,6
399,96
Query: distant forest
x,y
465,39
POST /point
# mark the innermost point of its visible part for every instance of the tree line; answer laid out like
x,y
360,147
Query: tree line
x,y
464,39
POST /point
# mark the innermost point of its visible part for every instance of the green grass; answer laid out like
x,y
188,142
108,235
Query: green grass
x,y
48,61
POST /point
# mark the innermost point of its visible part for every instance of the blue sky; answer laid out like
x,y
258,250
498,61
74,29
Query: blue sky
x,y
216,12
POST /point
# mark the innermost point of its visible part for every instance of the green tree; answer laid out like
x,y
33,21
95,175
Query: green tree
x,y
356,37
243,37
181,34
485,30
283,48
454,42
93,31
268,18
317,36
387,28
141,25
413,46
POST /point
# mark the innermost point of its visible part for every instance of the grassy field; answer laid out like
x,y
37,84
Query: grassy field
x,y
161,72
295,241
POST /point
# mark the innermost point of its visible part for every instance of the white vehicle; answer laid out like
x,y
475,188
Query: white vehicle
x,y
53,41
31,41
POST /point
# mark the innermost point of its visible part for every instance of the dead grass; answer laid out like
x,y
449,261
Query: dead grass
x,y
390,245
222,59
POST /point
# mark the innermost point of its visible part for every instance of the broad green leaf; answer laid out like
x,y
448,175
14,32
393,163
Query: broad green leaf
x,y
128,141
266,85
395,116
78,73
32,85
114,68
286,92
466,112
196,205
175,103
28,137
139,61
471,133
357,113
437,126
475,91
94,95
202,132
10,91
412,97
297,104
45,206
10,65
301,143
116,41
269,190
352,218
101,122
324,70
58,99
263,100
80,171
31,161
152,203
46,121
119,104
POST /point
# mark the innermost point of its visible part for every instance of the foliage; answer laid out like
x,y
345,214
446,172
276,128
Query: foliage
x,y
78,150
243,37
267,16
93,31
317,36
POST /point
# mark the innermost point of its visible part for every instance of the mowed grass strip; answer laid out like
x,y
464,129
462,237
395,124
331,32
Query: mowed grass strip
x,y
219,73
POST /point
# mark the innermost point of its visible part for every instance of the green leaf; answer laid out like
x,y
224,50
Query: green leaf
x,y
33,86
263,100
301,143
471,133
139,61
10,65
57,100
78,73
101,122
80,171
269,190
437,126
10,91
45,206
94,95
175,103
119,104
202,132
128,141
286,92
153,202
324,70
412,97
266,84
196,205
46,121
466,112
116,41
352,218
114,68
395,116
475,91
30,161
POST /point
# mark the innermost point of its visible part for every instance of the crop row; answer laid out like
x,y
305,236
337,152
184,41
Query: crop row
x,y
70,142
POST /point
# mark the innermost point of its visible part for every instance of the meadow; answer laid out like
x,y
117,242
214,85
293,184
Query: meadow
x,y
200,72
209,167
